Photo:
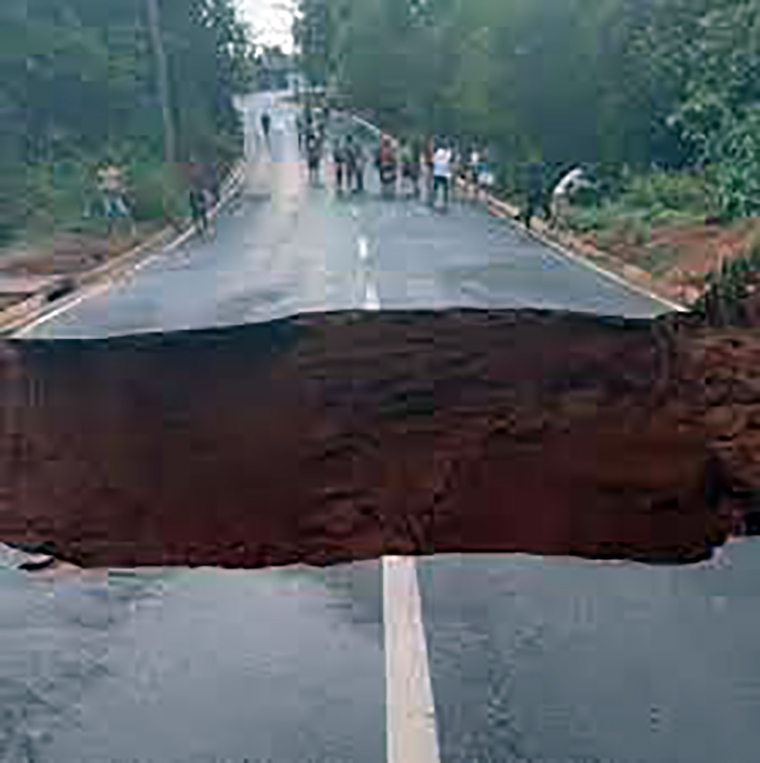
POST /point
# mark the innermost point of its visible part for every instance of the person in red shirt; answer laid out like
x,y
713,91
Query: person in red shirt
x,y
386,165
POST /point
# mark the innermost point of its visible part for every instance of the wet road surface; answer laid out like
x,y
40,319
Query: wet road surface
x,y
285,247
528,659
572,660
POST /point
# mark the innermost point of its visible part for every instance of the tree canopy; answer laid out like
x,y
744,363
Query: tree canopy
x,y
671,82
78,82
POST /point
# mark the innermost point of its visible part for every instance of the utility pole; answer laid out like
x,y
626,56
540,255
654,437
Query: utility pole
x,y
162,81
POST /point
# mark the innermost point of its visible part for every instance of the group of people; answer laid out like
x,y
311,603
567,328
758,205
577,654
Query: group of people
x,y
435,163
411,160
405,156
116,204
439,161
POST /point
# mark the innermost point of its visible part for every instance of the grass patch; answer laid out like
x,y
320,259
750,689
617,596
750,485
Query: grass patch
x,y
63,198
658,198
657,260
683,192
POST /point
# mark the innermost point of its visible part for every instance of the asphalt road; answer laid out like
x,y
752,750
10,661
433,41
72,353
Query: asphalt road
x,y
527,659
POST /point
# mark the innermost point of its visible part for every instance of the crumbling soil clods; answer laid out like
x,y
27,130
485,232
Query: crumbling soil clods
x,y
333,437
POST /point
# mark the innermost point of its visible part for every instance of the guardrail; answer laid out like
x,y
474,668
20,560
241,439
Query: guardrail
x,y
15,317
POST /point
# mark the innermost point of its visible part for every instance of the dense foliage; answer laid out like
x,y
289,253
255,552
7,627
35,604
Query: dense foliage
x,y
614,82
78,84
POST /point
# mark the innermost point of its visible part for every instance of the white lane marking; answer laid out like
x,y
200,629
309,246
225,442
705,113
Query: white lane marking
x,y
363,248
371,299
354,212
411,733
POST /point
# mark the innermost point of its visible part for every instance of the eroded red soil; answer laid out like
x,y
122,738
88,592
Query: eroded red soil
x,y
327,438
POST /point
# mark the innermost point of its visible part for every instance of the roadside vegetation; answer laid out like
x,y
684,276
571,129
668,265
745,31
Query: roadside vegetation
x,y
659,99
78,88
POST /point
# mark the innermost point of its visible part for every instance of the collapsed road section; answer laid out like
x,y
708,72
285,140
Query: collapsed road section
x,y
342,436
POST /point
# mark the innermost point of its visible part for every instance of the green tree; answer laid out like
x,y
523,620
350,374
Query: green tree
x,y
78,82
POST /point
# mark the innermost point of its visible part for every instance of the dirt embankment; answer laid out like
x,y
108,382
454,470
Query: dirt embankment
x,y
677,258
31,270
335,437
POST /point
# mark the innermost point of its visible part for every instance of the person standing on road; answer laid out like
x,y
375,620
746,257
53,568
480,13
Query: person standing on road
x,y
322,131
308,121
339,159
442,175
415,167
359,160
350,154
535,192
485,179
266,125
429,154
474,165
458,168
473,170
313,151
386,166
405,156
300,131
410,167
197,195
112,188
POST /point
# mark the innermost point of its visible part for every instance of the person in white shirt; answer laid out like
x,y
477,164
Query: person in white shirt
x,y
485,177
112,188
441,174
473,169
474,164
569,182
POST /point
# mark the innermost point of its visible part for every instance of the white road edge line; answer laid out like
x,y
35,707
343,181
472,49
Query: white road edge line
x,y
109,282
563,251
81,297
363,248
371,299
411,731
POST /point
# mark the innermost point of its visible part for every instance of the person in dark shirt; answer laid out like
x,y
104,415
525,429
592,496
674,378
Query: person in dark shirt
x,y
415,167
266,125
354,168
534,192
313,152
300,129
196,182
339,159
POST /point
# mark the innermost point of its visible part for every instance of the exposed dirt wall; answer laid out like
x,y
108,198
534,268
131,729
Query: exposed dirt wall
x,y
325,438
